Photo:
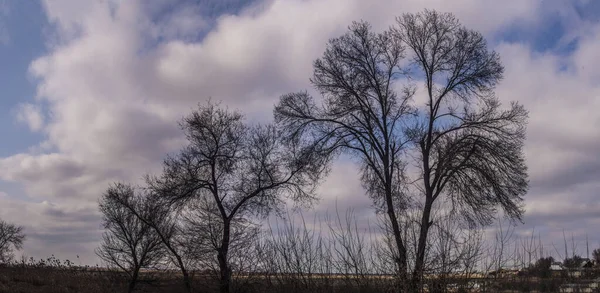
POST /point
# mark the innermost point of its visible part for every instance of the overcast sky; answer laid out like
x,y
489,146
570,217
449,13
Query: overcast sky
x,y
90,93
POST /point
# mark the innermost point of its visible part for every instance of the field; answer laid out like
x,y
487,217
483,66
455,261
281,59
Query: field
x,y
53,276
28,279
23,278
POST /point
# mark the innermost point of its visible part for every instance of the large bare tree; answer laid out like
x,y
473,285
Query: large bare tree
x,y
236,172
361,114
127,243
469,148
466,147
11,238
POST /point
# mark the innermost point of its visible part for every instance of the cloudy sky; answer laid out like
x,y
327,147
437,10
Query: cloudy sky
x,y
91,92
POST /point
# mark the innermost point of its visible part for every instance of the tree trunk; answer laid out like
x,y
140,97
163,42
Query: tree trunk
x,y
186,277
401,261
225,271
186,280
133,280
420,259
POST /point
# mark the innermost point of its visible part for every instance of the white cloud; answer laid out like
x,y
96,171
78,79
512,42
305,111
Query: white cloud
x,y
31,115
586,58
562,144
113,99
562,131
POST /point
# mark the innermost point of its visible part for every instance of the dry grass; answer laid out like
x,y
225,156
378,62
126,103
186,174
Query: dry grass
x,y
29,278
54,280
53,276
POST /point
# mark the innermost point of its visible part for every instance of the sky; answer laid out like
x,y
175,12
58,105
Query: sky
x,y
92,92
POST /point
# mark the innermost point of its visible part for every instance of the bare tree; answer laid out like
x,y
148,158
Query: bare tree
x,y
11,238
499,254
294,255
127,243
469,148
361,114
337,256
238,172
452,251
465,146
203,228
165,220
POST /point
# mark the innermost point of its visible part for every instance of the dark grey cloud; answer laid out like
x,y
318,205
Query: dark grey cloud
x,y
58,238
573,173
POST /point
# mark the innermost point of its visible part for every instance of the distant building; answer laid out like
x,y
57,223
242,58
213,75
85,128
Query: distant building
x,y
556,269
586,263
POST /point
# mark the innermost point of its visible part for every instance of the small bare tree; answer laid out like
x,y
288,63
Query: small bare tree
x,y
11,238
201,222
328,255
499,254
127,243
165,220
297,257
237,172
